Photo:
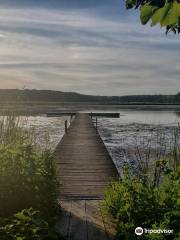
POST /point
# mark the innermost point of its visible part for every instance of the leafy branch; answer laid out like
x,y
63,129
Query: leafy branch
x,y
163,12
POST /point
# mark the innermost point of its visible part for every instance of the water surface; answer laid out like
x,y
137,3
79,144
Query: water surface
x,y
120,135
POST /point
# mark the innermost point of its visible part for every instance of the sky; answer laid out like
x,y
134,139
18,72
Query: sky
x,y
86,46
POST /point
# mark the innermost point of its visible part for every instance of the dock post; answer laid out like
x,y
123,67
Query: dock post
x,y
66,126
96,126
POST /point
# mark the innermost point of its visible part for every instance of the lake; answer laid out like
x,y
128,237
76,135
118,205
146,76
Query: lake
x,y
138,131
142,129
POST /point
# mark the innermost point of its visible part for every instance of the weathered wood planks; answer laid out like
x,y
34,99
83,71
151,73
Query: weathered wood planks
x,y
84,165
84,169
82,220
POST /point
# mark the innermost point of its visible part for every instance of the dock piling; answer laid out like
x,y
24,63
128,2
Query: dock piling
x,y
66,126
96,125
91,115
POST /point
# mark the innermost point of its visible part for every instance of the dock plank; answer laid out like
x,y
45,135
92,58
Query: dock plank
x,y
84,165
62,226
95,226
84,169
78,225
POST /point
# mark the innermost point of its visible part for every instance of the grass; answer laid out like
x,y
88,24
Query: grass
x,y
28,184
147,198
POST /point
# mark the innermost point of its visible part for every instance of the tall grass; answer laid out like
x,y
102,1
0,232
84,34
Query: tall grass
x,y
154,153
27,173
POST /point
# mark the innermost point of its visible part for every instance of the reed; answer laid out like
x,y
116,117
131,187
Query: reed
x,y
149,195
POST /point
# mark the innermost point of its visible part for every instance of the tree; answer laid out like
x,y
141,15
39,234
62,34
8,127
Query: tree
x,y
163,12
177,98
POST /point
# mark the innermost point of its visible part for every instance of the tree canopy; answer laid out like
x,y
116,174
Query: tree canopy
x,y
163,12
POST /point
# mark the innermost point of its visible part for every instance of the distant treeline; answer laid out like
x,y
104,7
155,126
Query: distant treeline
x,y
11,95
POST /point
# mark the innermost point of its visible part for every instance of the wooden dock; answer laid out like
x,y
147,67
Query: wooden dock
x,y
83,220
84,169
92,114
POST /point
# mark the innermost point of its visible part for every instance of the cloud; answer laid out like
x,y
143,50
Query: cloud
x,y
88,48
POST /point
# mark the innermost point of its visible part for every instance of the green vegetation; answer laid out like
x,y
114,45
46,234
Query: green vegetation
x,y
163,12
27,185
42,97
147,199
27,225
132,203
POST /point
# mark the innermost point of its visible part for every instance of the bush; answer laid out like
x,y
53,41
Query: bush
x,y
26,225
133,203
27,181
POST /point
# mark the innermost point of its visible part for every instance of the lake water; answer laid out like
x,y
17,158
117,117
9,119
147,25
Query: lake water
x,y
138,131
135,128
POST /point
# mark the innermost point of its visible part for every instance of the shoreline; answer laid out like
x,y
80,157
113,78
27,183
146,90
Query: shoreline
x,y
40,108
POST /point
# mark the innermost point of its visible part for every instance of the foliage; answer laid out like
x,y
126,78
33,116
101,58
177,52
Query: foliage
x,y
164,12
27,181
35,101
177,98
26,225
132,202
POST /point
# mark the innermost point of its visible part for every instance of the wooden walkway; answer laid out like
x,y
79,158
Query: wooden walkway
x,y
84,169
84,166
83,220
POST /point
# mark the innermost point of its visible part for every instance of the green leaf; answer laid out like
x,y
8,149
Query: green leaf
x,y
147,12
172,14
21,216
158,16
166,10
20,238
167,15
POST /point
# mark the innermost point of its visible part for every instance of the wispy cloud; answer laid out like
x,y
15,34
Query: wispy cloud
x,y
85,50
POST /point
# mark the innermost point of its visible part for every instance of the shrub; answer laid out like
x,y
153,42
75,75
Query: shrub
x,y
27,181
26,225
132,202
